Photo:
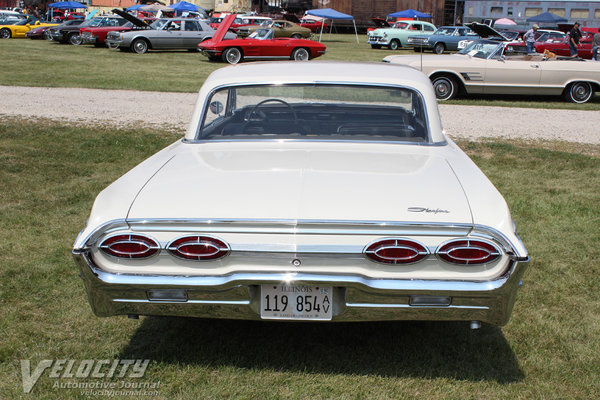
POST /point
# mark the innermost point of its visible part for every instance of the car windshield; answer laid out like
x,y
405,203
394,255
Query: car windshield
x,y
262,34
266,23
444,31
315,112
480,48
159,24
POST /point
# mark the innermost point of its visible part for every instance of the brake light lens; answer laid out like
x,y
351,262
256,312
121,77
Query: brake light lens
x,y
199,248
468,251
396,251
130,246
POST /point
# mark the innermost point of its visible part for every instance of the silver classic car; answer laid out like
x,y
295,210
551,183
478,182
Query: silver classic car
x,y
485,66
164,33
306,192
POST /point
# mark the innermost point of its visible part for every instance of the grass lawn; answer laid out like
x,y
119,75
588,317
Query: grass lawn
x,y
25,62
50,174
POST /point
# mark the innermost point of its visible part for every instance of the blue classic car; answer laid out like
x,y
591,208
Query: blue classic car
x,y
445,38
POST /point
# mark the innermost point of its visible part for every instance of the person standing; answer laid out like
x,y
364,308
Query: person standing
x,y
574,36
529,38
596,47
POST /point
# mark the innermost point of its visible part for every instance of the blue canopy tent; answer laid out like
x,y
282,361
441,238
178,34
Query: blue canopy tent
x,y
547,17
329,13
69,5
134,7
409,13
185,6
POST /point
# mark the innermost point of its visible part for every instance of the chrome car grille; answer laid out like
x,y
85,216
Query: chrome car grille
x,y
417,41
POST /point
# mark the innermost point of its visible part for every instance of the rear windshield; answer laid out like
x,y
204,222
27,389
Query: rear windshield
x,y
315,112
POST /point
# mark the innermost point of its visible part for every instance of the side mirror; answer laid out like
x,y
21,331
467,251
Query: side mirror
x,y
216,107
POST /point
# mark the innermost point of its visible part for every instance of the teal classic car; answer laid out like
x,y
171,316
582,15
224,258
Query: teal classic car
x,y
397,36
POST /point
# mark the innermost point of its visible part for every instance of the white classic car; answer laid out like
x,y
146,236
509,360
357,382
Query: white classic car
x,y
485,66
321,191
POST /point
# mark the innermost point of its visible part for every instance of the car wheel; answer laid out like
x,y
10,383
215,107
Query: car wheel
x,y
375,46
579,92
140,46
439,48
232,55
300,54
5,33
75,39
296,36
444,87
394,44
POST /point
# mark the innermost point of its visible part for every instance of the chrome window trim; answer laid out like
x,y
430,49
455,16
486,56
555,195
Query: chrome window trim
x,y
205,106
312,227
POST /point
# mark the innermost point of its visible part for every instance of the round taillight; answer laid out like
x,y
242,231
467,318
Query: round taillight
x,y
130,246
396,251
198,248
468,251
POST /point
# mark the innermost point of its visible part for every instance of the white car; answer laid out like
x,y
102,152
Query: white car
x,y
313,191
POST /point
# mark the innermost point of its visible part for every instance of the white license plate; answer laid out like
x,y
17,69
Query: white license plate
x,y
296,302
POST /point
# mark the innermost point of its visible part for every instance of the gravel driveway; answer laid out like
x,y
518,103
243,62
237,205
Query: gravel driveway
x,y
173,111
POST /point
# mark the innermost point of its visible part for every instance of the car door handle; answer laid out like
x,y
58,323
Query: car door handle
x,y
535,65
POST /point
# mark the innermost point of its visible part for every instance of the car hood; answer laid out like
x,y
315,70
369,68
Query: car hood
x,y
136,21
305,181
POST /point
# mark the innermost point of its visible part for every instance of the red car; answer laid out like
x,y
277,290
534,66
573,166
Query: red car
x,y
96,35
259,45
313,25
562,48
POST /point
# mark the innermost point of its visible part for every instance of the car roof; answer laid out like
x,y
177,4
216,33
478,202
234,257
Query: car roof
x,y
323,72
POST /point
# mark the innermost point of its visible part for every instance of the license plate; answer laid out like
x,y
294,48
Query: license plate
x,y
296,302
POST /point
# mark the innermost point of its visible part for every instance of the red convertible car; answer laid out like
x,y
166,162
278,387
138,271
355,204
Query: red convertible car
x,y
314,25
261,44
584,50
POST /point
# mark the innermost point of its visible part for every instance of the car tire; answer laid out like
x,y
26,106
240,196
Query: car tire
x,y
445,87
140,46
300,54
5,33
394,44
296,36
75,39
439,48
376,46
232,55
579,92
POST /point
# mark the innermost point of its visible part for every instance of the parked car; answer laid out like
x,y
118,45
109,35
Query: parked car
x,y
397,36
261,44
240,20
445,38
280,27
38,33
306,192
96,35
561,48
166,33
72,33
8,17
314,25
484,67
20,28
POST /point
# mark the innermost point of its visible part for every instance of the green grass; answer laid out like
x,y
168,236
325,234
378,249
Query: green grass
x,y
50,174
25,62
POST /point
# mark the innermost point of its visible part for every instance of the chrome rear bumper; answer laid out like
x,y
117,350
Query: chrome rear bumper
x,y
355,298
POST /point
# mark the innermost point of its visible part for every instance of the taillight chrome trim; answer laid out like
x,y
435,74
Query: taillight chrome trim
x,y
493,255
152,246
221,247
420,251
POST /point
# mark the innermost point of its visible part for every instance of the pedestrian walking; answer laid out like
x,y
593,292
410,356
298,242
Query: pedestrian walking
x,y
574,36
